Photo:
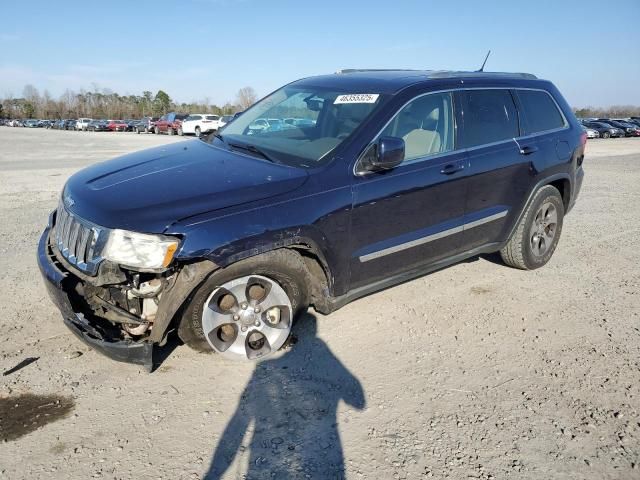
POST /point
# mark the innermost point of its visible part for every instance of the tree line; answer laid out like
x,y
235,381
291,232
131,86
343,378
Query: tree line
x,y
616,111
104,103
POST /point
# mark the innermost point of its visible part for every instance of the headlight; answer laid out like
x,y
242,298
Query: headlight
x,y
139,250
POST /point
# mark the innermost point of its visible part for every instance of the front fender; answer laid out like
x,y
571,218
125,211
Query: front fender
x,y
320,222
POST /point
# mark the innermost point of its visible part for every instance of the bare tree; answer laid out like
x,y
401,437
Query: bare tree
x,y
246,97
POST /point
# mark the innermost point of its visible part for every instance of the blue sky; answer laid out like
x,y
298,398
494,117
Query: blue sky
x,y
195,49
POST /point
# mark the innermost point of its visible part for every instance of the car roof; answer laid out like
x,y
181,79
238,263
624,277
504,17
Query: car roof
x,y
391,81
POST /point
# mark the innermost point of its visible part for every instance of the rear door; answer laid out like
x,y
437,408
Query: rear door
x,y
499,167
411,215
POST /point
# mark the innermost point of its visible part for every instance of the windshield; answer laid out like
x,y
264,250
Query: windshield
x,y
322,120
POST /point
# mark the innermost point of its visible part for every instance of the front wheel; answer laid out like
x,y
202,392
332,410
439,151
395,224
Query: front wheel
x,y
180,132
606,135
246,311
198,132
538,232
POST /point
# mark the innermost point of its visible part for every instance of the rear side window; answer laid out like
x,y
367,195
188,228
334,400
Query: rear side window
x,y
488,116
540,111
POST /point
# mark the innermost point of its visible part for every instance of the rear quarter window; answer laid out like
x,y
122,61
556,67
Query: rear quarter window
x,y
540,112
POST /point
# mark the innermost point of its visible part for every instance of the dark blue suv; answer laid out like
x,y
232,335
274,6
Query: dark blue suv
x,y
384,176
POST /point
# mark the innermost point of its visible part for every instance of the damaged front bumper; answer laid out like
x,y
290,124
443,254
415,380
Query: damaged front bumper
x,y
59,284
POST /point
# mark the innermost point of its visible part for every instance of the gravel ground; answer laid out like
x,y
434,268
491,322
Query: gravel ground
x,y
475,371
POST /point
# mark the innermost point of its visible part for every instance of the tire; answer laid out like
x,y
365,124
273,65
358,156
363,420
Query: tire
x,y
535,238
146,129
180,132
606,135
156,131
198,131
285,267
170,131
138,131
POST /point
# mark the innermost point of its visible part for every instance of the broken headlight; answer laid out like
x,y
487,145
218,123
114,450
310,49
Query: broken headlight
x,y
140,250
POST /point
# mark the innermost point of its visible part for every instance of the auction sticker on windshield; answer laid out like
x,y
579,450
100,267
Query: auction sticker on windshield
x,y
357,98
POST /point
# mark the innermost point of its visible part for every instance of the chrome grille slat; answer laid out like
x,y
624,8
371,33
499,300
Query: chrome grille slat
x,y
78,241
73,240
81,251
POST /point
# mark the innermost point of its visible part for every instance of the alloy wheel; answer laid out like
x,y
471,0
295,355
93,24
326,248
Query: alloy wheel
x,y
247,318
543,229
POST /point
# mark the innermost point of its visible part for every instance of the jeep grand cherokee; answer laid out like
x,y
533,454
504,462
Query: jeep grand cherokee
x,y
391,174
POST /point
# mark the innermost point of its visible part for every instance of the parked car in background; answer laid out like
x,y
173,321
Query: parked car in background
x,y
169,123
628,130
605,130
98,126
591,133
31,123
131,124
224,119
118,125
630,127
146,125
70,124
262,125
83,123
299,122
199,124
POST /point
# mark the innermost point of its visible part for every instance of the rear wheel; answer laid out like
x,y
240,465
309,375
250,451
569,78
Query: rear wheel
x,y
246,311
606,135
180,132
536,236
198,131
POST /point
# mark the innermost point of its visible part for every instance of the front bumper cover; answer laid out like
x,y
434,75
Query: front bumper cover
x,y
57,282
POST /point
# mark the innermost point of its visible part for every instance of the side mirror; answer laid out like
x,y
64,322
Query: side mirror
x,y
388,153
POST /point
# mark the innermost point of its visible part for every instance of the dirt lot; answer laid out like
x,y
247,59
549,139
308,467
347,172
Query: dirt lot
x,y
476,371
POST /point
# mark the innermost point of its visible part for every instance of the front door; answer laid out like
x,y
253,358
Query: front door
x,y
411,215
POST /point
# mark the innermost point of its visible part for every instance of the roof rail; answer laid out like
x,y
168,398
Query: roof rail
x,y
451,74
440,73
357,70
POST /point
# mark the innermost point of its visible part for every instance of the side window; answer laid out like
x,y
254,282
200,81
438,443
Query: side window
x,y
540,111
425,124
488,116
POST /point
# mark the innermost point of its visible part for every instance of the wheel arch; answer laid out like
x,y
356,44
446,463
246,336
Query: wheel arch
x,y
561,181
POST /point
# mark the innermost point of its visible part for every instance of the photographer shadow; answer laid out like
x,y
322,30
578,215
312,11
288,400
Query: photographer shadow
x,y
287,414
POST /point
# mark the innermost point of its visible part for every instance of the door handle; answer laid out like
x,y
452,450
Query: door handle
x,y
528,150
452,168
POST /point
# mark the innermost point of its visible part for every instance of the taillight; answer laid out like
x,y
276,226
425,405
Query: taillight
x,y
583,138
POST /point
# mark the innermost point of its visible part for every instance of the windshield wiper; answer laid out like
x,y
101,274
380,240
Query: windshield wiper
x,y
219,137
253,149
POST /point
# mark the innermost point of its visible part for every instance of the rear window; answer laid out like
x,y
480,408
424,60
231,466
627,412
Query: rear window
x,y
489,116
211,117
540,111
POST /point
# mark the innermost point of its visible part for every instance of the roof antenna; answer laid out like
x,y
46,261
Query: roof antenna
x,y
485,62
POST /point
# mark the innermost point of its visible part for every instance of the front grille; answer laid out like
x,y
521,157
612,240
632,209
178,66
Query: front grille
x,y
77,241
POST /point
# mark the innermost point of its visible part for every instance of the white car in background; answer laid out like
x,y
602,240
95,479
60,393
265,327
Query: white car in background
x,y
83,123
198,124
224,119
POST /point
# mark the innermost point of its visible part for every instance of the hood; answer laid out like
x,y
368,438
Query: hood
x,y
149,190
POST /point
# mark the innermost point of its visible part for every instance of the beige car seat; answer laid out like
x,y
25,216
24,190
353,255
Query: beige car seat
x,y
420,142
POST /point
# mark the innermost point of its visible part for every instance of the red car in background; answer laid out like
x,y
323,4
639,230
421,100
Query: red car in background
x,y
170,123
117,126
